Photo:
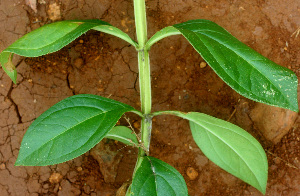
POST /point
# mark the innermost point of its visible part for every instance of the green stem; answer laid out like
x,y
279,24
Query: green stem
x,y
144,73
140,22
144,79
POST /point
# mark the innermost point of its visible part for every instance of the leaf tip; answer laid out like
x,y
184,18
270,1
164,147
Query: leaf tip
x,y
18,163
263,189
8,66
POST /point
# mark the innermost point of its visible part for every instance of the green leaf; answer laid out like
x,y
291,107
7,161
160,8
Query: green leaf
x,y
69,129
155,177
243,69
229,147
52,37
8,66
116,32
165,32
124,135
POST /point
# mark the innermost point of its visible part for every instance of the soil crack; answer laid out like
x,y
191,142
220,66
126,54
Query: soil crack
x,y
14,104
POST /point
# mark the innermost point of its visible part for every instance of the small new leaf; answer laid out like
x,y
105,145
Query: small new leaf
x,y
155,177
69,129
123,134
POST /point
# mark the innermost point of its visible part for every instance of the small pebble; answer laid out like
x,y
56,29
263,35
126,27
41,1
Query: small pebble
x,y
191,173
78,63
2,166
55,178
202,65
136,124
79,169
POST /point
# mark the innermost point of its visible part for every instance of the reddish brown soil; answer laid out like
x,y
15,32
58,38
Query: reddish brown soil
x,y
101,64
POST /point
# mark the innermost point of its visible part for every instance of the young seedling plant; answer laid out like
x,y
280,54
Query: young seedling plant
x,y
76,124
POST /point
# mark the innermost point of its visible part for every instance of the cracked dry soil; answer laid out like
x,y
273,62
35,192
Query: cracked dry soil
x,y
101,64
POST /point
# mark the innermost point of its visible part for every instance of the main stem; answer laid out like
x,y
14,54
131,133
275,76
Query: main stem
x,y
144,75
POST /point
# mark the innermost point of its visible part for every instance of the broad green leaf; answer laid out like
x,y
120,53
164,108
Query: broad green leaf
x,y
243,69
69,129
230,147
155,177
124,135
52,37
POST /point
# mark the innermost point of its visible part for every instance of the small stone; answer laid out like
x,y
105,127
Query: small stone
x,y
100,89
2,166
81,41
136,124
79,169
78,63
202,65
191,173
55,178
54,12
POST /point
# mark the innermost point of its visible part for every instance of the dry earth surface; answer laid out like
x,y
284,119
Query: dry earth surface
x,y
101,64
